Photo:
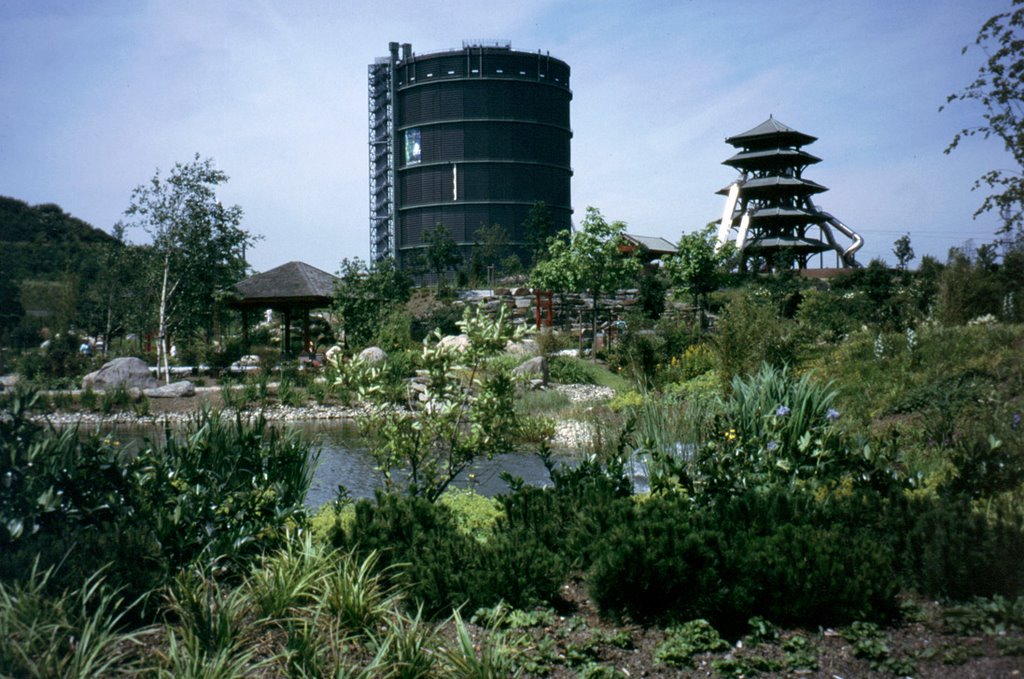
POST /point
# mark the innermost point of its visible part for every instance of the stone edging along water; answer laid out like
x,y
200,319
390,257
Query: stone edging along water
x,y
568,433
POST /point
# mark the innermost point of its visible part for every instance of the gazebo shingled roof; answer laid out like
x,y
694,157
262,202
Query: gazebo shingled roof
x,y
296,285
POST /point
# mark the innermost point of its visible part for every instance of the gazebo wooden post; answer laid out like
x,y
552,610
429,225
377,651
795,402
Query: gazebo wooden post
x,y
245,327
286,349
305,330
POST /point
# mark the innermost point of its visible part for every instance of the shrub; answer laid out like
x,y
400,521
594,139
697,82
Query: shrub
x,y
218,492
777,555
687,640
422,536
443,566
60,364
573,370
475,515
570,370
949,549
751,332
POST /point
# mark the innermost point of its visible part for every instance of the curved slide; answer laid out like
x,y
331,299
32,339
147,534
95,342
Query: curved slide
x,y
726,224
858,240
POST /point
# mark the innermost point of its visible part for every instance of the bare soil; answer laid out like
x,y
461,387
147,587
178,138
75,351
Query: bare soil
x,y
923,646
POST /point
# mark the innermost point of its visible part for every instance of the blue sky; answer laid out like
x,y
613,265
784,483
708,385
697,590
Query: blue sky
x,y
99,94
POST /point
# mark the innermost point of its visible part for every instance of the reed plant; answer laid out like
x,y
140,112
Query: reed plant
x,y
356,593
492,656
211,617
409,646
289,579
74,634
187,658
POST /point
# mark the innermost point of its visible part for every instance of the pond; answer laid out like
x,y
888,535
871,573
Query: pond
x,y
343,462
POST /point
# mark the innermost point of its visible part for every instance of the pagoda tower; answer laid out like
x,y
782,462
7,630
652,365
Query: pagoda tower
x,y
776,223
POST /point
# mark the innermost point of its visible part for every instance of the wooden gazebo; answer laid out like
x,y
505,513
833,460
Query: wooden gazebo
x,y
295,287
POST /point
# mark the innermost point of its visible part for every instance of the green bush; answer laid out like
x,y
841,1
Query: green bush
x,y
59,365
216,492
475,515
570,370
778,555
949,549
749,333
637,355
446,566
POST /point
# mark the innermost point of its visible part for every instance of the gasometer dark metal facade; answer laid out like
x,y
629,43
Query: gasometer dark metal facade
x,y
466,138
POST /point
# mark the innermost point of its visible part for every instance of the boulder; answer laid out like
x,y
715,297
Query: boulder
x,y
457,342
535,368
526,347
179,389
373,355
127,372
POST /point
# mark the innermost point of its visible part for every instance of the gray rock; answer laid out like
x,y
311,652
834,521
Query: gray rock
x,y
526,347
180,389
458,342
536,367
373,355
127,372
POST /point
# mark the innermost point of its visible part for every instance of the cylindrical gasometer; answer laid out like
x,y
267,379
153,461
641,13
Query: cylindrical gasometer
x,y
480,135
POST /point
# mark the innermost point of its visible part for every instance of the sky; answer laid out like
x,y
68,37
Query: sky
x,y
98,95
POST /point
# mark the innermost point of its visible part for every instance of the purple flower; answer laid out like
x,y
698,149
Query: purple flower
x,y
1015,421
832,415
782,411
772,445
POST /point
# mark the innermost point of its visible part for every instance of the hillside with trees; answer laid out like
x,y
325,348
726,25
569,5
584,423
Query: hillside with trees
x,y
52,266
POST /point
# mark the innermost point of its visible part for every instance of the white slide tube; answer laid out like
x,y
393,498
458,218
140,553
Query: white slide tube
x,y
725,226
741,237
858,240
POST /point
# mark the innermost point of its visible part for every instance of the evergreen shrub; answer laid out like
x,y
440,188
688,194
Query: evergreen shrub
x,y
776,554
444,566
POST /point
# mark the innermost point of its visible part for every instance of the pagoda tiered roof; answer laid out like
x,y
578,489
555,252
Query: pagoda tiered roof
x,y
793,243
788,216
761,187
771,159
771,201
771,133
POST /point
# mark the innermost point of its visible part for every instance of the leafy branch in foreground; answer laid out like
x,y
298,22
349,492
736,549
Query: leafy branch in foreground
x,y
999,88
458,411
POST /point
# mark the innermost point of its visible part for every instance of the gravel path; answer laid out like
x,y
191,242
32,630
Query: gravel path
x,y
568,433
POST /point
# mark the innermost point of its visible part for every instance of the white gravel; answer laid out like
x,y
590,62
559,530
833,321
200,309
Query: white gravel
x,y
579,393
275,413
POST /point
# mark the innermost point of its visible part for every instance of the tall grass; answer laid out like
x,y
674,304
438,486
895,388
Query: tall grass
x,y
75,634
290,578
490,657
357,595
773,396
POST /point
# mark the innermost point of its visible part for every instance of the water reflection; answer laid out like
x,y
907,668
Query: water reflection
x,y
344,462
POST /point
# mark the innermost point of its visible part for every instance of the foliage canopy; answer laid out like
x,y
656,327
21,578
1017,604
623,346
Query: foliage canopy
x,y
999,88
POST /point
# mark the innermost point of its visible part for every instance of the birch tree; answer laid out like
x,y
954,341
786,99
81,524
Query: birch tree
x,y
198,242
